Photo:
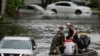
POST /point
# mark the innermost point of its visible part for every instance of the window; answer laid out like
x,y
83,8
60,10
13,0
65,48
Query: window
x,y
30,7
63,4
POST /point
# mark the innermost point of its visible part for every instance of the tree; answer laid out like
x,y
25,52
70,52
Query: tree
x,y
99,7
46,2
94,3
12,6
0,6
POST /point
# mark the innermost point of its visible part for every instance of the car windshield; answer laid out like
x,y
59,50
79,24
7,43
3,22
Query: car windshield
x,y
15,44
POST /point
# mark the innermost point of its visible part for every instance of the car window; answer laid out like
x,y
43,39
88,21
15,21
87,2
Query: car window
x,y
63,4
15,44
30,7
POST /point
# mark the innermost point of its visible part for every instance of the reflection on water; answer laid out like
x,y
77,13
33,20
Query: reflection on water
x,y
49,26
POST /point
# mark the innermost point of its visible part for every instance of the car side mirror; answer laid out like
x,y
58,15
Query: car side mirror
x,y
34,47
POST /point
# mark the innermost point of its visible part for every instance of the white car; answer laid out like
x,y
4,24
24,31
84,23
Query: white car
x,y
36,9
69,8
17,46
32,9
49,13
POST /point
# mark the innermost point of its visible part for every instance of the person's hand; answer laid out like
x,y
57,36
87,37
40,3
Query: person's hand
x,y
71,37
54,51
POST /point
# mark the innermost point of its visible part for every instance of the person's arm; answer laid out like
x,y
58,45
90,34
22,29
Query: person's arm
x,y
54,44
74,32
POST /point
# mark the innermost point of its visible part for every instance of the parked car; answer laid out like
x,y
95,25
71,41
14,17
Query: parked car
x,y
69,8
32,9
49,13
17,46
36,9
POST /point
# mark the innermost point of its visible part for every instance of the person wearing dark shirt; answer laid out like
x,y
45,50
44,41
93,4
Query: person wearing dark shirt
x,y
72,33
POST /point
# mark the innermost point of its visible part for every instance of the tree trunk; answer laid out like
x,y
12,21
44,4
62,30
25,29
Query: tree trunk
x,y
99,7
2,8
42,1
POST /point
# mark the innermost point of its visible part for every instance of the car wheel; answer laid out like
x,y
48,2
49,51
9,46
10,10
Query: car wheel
x,y
54,10
78,12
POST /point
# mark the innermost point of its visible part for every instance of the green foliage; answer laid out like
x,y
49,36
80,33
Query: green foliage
x,y
55,0
10,8
19,3
9,27
12,5
44,4
94,3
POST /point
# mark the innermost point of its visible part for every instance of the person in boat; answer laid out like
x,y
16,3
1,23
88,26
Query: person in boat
x,y
61,29
72,33
57,43
69,46
84,42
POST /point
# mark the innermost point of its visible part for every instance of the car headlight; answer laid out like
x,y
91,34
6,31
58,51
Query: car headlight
x,y
27,55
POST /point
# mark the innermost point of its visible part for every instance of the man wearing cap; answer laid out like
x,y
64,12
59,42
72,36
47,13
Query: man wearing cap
x,y
72,33
61,30
58,41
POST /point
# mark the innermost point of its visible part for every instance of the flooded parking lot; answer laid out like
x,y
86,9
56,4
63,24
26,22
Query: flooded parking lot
x,y
49,26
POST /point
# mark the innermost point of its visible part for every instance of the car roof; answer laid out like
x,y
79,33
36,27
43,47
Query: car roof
x,y
16,38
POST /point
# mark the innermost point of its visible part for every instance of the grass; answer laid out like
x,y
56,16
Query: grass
x,y
95,9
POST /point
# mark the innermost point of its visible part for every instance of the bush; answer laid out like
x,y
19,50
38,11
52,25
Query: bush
x,y
10,28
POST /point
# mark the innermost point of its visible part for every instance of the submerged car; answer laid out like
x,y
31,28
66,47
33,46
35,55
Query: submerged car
x,y
32,9
49,13
17,46
36,9
69,8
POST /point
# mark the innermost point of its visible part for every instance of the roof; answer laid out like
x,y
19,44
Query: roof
x,y
16,38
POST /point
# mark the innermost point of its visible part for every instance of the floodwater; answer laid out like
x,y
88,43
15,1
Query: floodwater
x,y
49,26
